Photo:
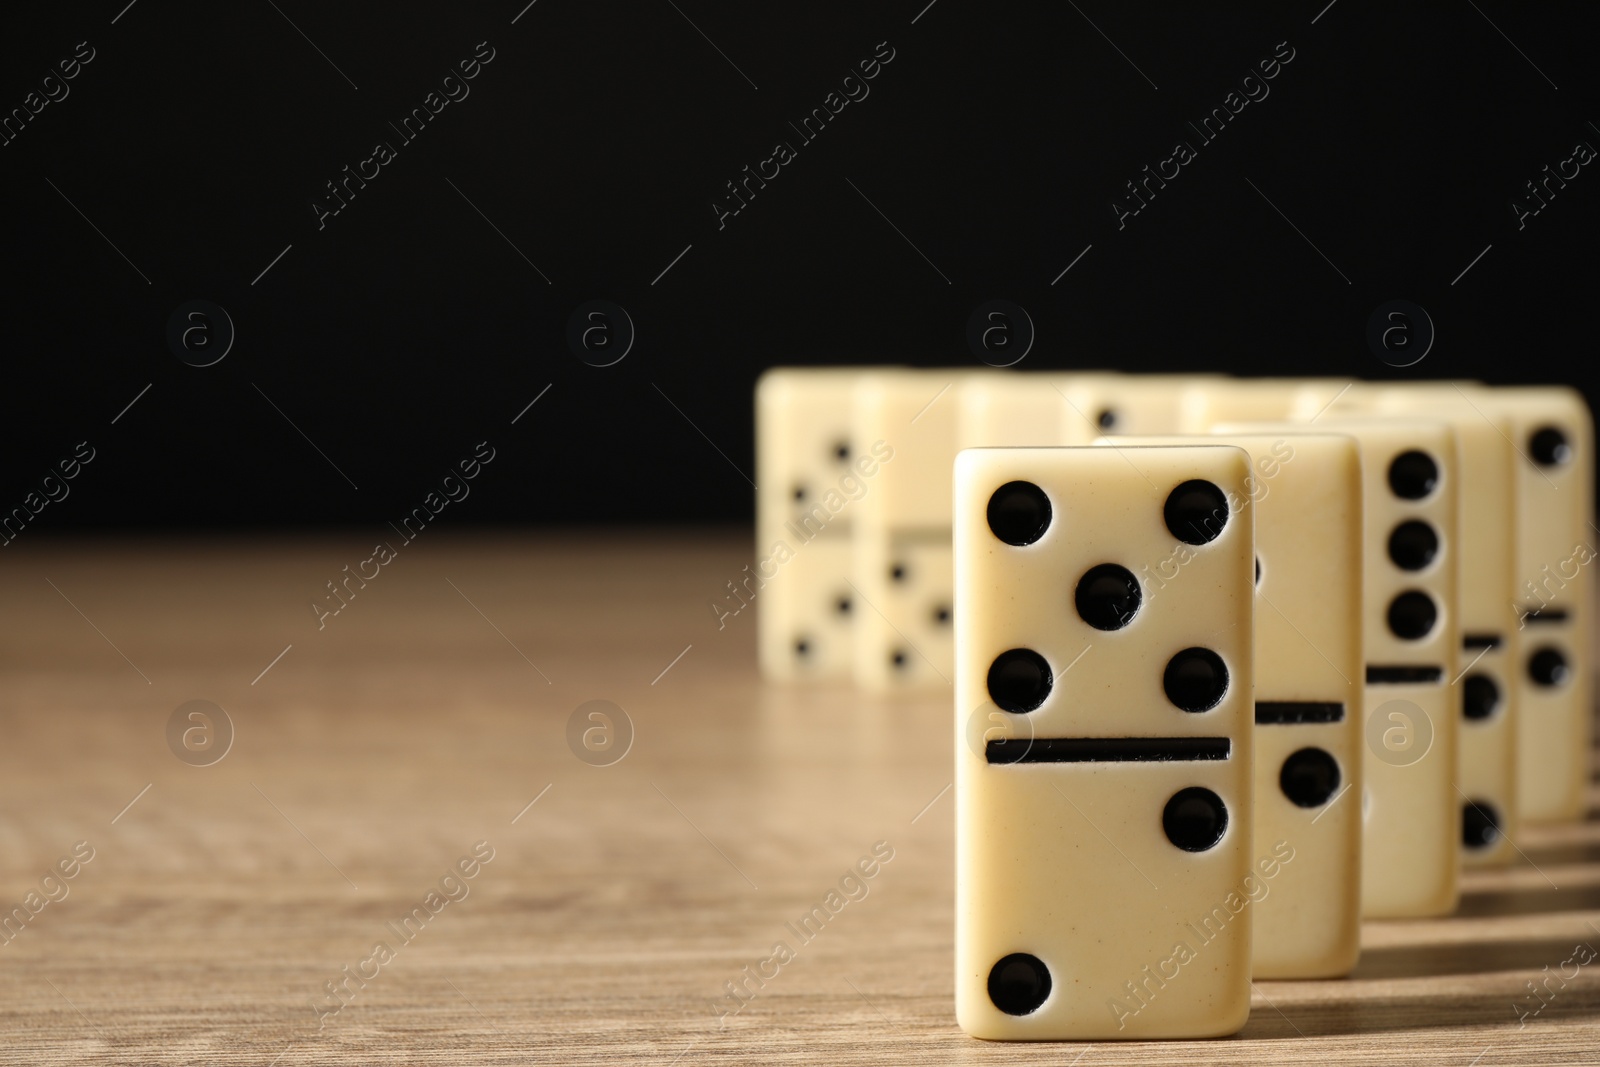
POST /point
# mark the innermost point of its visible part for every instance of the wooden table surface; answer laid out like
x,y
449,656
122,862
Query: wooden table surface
x,y
422,719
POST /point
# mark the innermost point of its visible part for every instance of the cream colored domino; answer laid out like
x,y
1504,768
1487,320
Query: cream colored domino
x,y
1206,403
812,475
1306,495
1071,407
1022,408
1553,602
1411,841
1135,403
1488,686
1104,862
901,566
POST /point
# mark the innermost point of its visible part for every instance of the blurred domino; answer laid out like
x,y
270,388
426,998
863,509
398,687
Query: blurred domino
x,y
1206,403
1553,433
1022,408
901,568
1120,404
811,474
1488,683
1073,407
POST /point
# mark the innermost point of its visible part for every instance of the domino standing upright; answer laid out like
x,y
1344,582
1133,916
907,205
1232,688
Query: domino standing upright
x,y
1075,407
901,568
1135,403
1411,841
1207,403
1103,762
1022,408
1488,685
811,473
1306,496
1554,596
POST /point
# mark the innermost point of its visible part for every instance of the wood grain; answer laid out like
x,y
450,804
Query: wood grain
x,y
426,716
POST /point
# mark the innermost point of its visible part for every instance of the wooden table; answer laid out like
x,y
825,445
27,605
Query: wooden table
x,y
431,711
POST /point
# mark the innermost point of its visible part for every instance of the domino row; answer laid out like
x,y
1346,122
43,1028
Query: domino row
x,y
1230,657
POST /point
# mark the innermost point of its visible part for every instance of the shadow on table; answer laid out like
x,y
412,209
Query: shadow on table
x,y
1531,900
1575,852
1388,1011
1426,961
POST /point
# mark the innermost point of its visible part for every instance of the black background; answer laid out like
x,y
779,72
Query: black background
x,y
408,330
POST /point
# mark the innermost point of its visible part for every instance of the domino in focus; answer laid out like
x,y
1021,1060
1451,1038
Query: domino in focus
x,y
1104,866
